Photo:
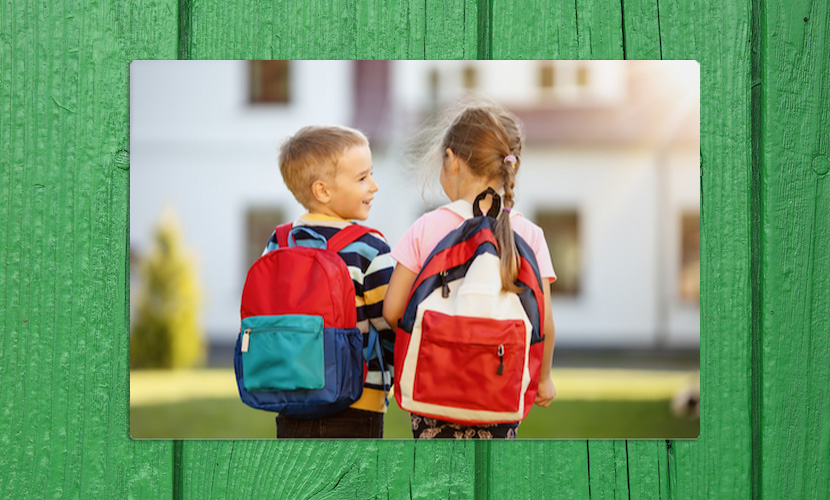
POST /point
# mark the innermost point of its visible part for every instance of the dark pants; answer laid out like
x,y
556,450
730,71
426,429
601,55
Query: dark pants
x,y
349,423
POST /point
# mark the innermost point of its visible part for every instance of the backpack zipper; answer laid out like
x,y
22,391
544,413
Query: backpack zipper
x,y
500,370
445,288
246,335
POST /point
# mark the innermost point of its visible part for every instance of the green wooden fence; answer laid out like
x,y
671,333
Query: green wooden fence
x,y
765,306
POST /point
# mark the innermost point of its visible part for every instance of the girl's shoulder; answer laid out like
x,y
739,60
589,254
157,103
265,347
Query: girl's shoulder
x,y
527,229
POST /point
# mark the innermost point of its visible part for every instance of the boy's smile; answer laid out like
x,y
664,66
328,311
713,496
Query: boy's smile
x,y
353,188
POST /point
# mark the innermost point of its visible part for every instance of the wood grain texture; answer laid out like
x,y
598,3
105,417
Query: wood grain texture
x,y
64,174
330,469
717,465
63,251
641,34
794,300
717,34
355,29
538,29
348,469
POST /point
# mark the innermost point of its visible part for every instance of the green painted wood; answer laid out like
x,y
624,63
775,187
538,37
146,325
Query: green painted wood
x,y
536,29
648,469
332,469
539,29
64,175
537,469
641,34
679,30
356,29
608,469
793,147
63,253
717,34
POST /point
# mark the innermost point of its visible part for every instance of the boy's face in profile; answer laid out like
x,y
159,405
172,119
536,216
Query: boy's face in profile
x,y
353,187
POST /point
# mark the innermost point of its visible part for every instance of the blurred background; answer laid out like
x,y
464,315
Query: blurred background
x,y
610,170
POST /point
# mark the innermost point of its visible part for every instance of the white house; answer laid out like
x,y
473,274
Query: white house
x,y
610,170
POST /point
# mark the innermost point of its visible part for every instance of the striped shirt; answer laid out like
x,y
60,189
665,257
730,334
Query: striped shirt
x,y
370,267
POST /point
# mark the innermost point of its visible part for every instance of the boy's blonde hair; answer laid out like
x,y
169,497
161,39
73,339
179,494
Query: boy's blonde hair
x,y
312,154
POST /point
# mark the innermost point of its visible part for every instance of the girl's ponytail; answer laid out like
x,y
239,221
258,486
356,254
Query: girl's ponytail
x,y
508,254
489,140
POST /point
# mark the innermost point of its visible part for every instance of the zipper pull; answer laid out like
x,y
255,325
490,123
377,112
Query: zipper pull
x,y
246,337
445,288
501,360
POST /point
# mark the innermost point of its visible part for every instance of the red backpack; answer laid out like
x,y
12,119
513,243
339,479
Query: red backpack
x,y
299,351
467,351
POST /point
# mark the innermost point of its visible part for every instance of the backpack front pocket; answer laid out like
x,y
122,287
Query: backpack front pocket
x,y
282,353
470,362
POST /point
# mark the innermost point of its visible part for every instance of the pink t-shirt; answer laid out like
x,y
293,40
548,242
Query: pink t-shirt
x,y
425,234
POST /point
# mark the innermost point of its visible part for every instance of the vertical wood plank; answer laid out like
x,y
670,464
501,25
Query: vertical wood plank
x,y
538,469
718,463
723,52
536,29
554,30
641,34
794,307
372,29
608,469
320,29
64,172
644,458
451,29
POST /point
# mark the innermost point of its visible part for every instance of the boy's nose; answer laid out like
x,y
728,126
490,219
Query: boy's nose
x,y
373,186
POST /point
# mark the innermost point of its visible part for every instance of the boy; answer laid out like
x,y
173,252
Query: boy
x,y
329,171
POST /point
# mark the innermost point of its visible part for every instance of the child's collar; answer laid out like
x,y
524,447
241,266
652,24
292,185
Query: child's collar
x,y
315,217
464,209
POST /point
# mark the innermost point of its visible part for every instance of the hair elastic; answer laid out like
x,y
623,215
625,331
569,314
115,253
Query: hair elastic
x,y
510,159
505,209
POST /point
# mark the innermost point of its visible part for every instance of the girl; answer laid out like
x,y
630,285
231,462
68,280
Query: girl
x,y
481,149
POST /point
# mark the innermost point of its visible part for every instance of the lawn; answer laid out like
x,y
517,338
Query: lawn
x,y
590,403
229,418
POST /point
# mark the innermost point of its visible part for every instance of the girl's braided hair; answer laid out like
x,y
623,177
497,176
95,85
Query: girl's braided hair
x,y
489,140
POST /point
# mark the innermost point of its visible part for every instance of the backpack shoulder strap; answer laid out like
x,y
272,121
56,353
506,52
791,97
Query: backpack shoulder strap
x,y
281,233
348,235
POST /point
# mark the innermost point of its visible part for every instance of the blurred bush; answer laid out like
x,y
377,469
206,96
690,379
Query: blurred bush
x,y
166,332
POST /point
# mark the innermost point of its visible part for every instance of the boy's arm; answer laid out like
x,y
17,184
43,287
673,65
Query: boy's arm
x,y
375,283
272,243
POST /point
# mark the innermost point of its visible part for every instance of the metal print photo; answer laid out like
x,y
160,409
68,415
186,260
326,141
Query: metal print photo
x,y
605,173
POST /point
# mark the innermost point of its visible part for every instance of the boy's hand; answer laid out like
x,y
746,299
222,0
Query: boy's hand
x,y
546,393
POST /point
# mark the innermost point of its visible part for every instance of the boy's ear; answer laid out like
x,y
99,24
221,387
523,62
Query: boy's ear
x,y
321,192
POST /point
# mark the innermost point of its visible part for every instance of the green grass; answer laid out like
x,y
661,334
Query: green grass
x,y
229,418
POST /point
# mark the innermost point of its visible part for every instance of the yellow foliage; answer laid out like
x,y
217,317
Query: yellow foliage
x,y
166,332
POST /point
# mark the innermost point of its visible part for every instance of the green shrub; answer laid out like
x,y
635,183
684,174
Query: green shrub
x,y
166,331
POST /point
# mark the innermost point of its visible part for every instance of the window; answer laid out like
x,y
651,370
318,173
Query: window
x,y
434,81
259,224
561,229
469,78
269,82
689,278
582,75
547,76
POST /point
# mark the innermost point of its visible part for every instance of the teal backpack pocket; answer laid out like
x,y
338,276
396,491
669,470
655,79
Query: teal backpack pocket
x,y
282,353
